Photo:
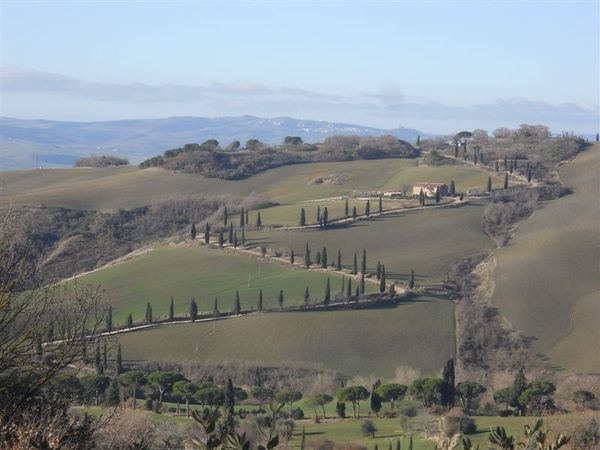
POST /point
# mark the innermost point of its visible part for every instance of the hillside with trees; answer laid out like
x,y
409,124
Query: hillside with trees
x,y
236,162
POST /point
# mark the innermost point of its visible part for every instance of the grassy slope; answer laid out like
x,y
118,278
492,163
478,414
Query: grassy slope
x,y
547,279
418,334
426,241
194,271
126,187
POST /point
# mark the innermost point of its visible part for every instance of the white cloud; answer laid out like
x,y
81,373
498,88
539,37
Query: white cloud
x,y
385,106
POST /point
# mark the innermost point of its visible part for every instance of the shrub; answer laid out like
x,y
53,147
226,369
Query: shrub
x,y
368,428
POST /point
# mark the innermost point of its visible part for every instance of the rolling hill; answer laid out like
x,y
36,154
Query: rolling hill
x,y
546,279
60,143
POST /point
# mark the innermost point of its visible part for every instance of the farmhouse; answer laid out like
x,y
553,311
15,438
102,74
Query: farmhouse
x,y
429,189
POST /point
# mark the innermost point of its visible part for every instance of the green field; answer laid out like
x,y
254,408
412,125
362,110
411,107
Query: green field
x,y
418,333
196,271
548,278
127,187
428,242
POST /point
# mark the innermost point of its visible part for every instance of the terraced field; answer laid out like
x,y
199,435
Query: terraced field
x,y
127,187
418,333
193,271
548,278
428,242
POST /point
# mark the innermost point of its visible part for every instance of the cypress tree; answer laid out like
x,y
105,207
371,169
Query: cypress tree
x,y
113,396
515,163
481,159
355,266
357,292
193,231
363,264
456,149
368,208
505,163
461,196
292,257
148,313
109,323
376,403
380,205
354,214
119,368
225,216
418,140
207,233
324,258
229,397
411,281
237,309
362,283
452,188
437,195
243,237
98,361
104,355
505,181
597,137
171,309
511,167
258,221
421,197
302,217
230,237
235,241
343,288
216,308
193,310
319,214
529,175
378,270
280,298
242,218
489,184
318,258
447,391
327,298
349,288
382,279
474,156
410,443
325,216
496,166
338,265
130,321
221,238
247,219
260,300
346,209
306,296
307,256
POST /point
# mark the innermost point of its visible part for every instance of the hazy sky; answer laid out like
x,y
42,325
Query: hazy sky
x,y
437,66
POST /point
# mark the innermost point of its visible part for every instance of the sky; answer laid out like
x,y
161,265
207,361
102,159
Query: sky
x,y
435,66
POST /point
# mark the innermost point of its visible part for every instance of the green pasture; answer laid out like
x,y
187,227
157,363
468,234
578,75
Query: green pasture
x,y
418,333
204,273
428,242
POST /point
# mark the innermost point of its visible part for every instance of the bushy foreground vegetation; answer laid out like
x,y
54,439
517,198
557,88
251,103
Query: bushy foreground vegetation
x,y
234,162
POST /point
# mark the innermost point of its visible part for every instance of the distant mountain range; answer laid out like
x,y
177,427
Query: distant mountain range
x,y
60,143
